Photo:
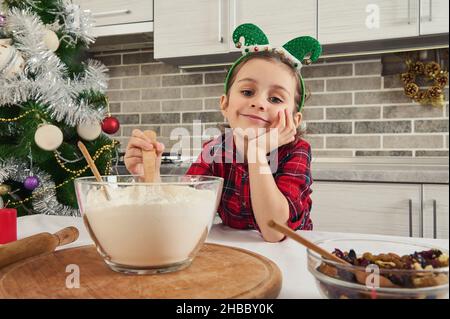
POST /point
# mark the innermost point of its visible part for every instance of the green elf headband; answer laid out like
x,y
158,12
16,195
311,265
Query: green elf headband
x,y
294,51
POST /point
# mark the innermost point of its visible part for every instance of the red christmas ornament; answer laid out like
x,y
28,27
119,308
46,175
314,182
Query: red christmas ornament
x,y
110,125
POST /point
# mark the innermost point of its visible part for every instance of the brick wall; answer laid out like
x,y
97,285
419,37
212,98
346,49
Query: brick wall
x,y
354,110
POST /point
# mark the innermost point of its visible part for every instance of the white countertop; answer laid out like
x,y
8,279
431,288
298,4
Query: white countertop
x,y
290,256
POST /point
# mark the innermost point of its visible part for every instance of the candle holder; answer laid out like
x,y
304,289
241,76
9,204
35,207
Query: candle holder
x,y
8,225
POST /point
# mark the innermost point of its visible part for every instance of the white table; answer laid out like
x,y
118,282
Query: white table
x,y
288,255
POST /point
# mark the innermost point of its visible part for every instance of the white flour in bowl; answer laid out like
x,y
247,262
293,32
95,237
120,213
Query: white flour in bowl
x,y
150,226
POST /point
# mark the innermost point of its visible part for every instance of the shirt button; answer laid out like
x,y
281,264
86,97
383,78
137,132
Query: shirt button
x,y
244,204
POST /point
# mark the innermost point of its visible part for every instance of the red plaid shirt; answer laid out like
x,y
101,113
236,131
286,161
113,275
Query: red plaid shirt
x,y
292,176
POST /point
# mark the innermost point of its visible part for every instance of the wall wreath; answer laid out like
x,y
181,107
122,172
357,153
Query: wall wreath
x,y
433,73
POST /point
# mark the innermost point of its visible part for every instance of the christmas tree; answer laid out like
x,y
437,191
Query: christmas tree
x,y
51,97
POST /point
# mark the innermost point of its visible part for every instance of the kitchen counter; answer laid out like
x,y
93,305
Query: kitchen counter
x,y
290,256
396,170
392,170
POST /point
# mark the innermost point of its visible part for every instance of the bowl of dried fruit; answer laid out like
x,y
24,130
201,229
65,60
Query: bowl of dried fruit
x,y
380,269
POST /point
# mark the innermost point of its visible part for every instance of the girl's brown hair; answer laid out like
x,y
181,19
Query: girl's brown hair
x,y
273,57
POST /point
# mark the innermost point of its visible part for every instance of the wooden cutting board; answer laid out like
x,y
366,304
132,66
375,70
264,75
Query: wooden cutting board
x,y
217,272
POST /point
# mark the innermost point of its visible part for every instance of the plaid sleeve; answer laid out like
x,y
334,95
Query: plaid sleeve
x,y
201,166
293,179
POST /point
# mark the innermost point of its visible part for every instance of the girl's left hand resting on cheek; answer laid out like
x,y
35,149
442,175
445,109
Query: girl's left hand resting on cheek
x,y
281,132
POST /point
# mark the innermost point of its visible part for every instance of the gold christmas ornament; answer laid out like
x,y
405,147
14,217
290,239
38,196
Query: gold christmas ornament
x,y
4,189
433,95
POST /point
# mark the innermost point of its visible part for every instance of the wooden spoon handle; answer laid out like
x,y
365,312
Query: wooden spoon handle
x,y
149,158
93,167
305,242
89,160
360,275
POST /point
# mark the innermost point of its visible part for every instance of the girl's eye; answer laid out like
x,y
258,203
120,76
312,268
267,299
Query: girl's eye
x,y
247,92
275,100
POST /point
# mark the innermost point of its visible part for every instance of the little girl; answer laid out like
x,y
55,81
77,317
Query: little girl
x,y
264,91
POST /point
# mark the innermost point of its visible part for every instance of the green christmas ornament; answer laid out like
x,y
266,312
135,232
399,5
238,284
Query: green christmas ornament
x,y
250,39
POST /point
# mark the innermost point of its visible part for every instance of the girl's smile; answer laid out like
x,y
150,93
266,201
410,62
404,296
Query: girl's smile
x,y
255,118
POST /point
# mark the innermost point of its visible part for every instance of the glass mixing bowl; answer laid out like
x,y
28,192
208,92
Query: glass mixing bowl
x,y
336,281
147,228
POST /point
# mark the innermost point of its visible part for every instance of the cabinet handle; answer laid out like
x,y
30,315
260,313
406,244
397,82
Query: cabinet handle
x,y
220,36
434,219
409,11
421,218
234,14
410,219
430,17
110,13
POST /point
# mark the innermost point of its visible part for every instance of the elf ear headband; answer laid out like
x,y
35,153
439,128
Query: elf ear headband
x,y
294,51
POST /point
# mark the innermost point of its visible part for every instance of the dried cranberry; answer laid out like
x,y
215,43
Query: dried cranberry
x,y
435,263
364,262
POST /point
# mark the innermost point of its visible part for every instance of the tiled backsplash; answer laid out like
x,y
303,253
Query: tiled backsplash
x,y
353,110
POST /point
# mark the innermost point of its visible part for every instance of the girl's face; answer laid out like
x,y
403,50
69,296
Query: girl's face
x,y
261,88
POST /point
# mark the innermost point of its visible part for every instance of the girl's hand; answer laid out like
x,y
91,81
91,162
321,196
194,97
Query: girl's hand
x,y
133,155
281,132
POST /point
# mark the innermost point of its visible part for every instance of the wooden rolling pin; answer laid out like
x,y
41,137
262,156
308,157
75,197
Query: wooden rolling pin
x,y
149,158
35,245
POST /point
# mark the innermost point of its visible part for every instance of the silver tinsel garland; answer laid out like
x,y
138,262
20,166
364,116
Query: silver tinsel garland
x,y
78,23
50,85
44,202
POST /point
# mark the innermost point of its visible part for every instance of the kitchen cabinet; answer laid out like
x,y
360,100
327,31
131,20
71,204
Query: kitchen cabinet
x,y
190,27
113,17
292,19
433,16
205,27
369,208
435,211
343,21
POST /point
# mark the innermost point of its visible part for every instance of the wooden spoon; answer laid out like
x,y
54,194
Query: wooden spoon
x,y
93,167
149,158
361,276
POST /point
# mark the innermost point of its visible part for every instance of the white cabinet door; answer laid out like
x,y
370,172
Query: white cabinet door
x,y
433,16
363,20
280,21
369,208
190,27
112,12
435,211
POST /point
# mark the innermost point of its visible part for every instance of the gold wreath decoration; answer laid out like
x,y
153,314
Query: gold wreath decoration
x,y
433,95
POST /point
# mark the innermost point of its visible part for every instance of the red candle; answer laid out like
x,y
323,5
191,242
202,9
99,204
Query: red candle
x,y
8,225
